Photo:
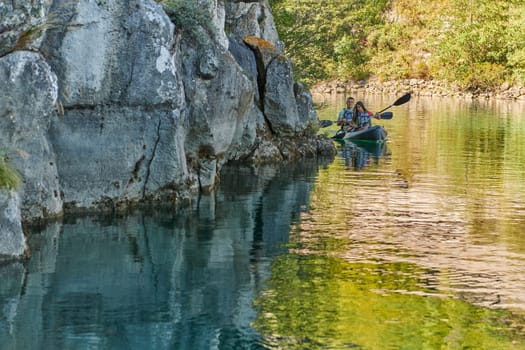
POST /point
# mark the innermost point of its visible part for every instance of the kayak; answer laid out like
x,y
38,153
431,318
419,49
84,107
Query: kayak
x,y
375,133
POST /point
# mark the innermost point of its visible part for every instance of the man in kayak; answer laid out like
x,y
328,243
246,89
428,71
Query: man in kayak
x,y
346,114
361,117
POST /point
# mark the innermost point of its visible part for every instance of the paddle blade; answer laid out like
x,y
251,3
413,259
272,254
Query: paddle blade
x,y
387,115
325,123
339,134
403,99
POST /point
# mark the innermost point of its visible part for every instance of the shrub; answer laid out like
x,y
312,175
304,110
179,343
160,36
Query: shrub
x,y
189,17
516,61
484,76
9,178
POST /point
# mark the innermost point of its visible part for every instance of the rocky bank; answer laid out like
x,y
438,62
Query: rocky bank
x,y
111,103
419,87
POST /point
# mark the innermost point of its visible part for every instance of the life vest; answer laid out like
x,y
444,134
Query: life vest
x,y
363,119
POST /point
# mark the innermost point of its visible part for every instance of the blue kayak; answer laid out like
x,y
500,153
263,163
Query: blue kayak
x,y
375,133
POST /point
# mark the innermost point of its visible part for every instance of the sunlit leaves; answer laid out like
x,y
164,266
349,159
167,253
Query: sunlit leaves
x,y
326,38
477,44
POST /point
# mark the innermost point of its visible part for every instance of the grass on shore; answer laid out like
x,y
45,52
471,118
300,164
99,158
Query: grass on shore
x,y
9,177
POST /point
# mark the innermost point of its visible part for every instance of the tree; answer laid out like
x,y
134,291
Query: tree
x,y
327,39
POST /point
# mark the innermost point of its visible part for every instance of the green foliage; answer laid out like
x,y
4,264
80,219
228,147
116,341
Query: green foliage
x,y
188,16
516,43
475,44
351,61
473,49
327,39
516,61
9,178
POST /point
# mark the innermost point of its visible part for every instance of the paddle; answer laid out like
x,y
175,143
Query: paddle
x,y
326,123
387,115
402,100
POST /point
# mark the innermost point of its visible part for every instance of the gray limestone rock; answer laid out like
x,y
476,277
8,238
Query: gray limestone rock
x,y
117,154
280,107
115,102
12,240
27,105
22,24
251,18
115,53
220,109
305,105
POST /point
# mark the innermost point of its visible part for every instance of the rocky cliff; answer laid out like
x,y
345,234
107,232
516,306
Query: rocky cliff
x,y
114,102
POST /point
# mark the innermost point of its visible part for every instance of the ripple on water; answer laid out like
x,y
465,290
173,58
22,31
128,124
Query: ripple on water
x,y
450,226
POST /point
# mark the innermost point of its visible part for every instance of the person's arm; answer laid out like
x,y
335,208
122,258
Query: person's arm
x,y
341,119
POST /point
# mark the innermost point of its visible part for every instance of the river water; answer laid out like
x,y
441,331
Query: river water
x,y
418,243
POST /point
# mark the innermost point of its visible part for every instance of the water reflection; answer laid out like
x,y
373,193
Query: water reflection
x,y
322,302
450,198
422,250
158,279
360,154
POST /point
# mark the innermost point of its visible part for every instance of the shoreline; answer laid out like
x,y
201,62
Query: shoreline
x,y
418,87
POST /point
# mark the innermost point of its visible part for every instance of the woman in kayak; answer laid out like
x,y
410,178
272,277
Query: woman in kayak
x,y
361,117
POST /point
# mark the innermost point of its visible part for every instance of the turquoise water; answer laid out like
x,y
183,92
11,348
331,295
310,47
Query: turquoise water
x,y
414,244
159,279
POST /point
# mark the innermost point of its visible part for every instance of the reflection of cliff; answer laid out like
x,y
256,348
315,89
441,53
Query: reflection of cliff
x,y
158,280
